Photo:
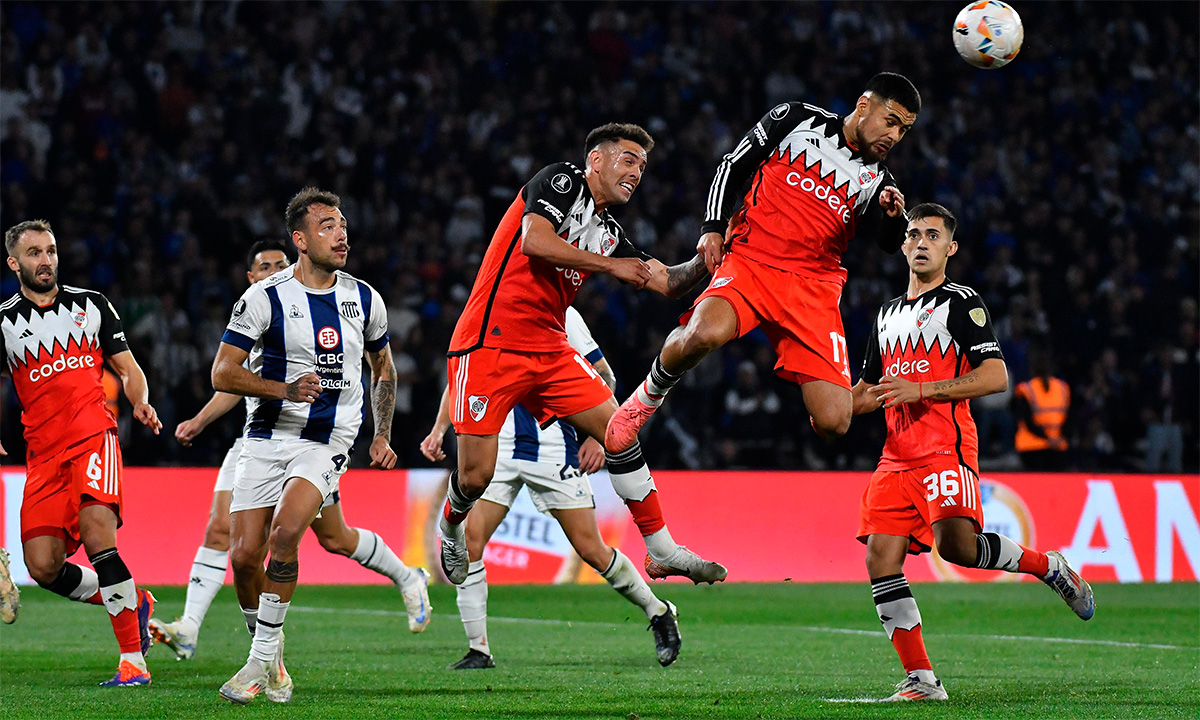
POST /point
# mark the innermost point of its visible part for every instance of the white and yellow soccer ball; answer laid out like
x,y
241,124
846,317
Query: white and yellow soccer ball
x,y
988,34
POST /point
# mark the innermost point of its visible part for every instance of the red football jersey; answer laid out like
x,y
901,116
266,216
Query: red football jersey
x,y
518,302
804,194
55,355
941,334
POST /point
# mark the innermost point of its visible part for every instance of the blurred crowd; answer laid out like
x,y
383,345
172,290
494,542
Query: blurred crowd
x,y
162,139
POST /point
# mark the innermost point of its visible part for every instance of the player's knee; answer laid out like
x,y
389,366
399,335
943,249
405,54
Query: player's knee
x,y
880,565
244,559
216,535
954,551
44,570
337,543
699,339
595,553
474,480
285,539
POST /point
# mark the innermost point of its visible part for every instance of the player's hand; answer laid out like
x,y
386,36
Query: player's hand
x,y
893,391
304,389
186,431
431,446
2,450
634,271
711,247
145,414
591,456
892,201
382,455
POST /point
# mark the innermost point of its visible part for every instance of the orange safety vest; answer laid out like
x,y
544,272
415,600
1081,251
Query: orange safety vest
x,y
1049,409
112,389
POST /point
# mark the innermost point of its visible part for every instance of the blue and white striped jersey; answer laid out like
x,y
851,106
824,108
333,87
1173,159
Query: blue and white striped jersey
x,y
558,444
290,330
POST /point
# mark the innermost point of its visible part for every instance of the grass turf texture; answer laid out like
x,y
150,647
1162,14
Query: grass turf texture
x,y
749,651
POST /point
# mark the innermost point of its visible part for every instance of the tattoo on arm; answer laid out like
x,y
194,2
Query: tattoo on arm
x,y
608,377
384,396
283,572
940,390
684,276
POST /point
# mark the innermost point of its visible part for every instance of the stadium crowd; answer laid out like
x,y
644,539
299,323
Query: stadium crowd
x,y
162,139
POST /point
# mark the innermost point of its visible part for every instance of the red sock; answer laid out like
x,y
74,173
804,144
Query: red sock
x,y
647,513
94,599
1033,562
454,518
125,627
911,649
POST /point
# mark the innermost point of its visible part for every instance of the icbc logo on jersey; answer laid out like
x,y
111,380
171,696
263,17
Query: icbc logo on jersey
x,y
328,337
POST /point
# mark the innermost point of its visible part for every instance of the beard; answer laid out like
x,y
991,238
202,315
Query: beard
x,y
31,280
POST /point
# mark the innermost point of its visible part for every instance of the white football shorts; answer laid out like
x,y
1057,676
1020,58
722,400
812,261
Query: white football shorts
x,y
265,465
551,487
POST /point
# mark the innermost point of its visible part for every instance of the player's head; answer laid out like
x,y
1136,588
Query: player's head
x,y
883,115
929,240
318,228
616,159
33,255
265,258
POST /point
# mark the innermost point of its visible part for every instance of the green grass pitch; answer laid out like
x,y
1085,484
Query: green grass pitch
x,y
749,651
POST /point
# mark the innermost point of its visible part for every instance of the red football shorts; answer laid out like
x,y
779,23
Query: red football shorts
x,y
799,315
908,502
486,384
87,473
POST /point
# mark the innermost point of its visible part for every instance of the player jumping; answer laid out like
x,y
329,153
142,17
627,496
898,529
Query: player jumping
x,y
929,352
55,341
554,465
267,257
811,181
510,345
305,331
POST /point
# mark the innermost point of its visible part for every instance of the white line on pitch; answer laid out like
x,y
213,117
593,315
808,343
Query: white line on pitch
x,y
804,628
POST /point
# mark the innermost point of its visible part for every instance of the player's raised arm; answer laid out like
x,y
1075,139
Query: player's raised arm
x,y
538,240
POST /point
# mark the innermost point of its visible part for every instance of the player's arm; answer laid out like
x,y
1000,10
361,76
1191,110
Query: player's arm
x,y
133,382
735,169
605,371
229,375
219,404
884,218
676,280
865,401
431,446
383,404
538,240
990,377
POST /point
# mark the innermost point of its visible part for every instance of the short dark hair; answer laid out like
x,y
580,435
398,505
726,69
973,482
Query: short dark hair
x,y
613,132
13,235
265,245
929,209
297,208
893,86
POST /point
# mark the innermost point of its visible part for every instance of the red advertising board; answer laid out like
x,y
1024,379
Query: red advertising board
x,y
765,526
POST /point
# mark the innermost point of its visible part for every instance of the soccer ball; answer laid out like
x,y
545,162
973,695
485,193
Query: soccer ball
x,y
988,34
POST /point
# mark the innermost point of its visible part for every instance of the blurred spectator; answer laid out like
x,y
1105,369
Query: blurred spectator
x,y
1041,406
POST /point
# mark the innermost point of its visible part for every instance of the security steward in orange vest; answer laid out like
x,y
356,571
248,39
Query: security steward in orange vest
x,y
1041,405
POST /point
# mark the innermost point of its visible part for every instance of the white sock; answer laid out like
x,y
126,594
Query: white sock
x,y
120,597
472,606
136,658
660,544
208,575
89,585
624,578
251,615
269,627
374,554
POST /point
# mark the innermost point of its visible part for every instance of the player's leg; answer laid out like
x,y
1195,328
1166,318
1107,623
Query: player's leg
x,y
369,550
632,482
473,592
10,596
901,619
129,608
476,465
204,582
579,525
248,531
713,323
47,500
830,406
959,542
45,559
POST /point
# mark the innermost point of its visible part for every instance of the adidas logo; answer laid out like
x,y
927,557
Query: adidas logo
x,y
93,485
949,502
25,334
